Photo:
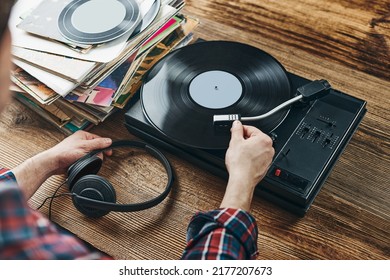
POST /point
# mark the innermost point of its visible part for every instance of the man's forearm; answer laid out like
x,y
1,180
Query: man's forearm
x,y
33,172
238,194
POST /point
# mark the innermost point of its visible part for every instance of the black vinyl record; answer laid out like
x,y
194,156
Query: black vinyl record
x,y
183,91
98,21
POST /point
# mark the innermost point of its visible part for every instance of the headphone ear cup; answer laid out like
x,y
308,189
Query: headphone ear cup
x,y
90,165
94,187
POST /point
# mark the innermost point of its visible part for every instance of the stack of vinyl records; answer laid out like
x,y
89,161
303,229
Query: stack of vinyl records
x,y
77,62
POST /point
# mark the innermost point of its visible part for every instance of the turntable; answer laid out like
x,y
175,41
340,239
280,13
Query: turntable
x,y
189,99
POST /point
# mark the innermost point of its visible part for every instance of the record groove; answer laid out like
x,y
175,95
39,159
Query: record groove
x,y
169,106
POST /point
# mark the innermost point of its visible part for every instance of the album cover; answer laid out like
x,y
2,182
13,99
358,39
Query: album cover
x,y
71,69
103,94
67,127
149,10
173,40
167,29
49,112
60,85
124,93
166,12
28,83
99,21
52,109
164,31
103,54
119,75
77,112
101,113
42,21
98,96
50,74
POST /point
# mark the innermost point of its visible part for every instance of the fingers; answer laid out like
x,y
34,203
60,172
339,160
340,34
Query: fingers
x,y
97,143
240,132
237,131
251,131
92,141
100,155
105,153
86,135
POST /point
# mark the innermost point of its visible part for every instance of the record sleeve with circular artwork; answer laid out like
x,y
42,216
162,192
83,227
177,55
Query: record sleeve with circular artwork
x,y
98,21
183,91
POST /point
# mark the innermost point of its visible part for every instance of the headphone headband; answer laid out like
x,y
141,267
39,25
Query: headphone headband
x,y
110,206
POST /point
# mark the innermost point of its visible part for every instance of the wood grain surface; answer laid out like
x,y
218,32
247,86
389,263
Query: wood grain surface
x,y
345,42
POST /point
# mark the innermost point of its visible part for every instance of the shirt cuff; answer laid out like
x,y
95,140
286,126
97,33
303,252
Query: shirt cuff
x,y
7,176
237,222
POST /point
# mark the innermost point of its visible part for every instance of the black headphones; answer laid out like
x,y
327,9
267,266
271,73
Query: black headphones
x,y
94,196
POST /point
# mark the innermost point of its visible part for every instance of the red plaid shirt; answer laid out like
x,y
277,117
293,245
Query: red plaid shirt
x,y
26,234
223,234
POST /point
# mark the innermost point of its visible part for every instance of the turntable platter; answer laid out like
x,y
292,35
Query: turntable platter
x,y
183,91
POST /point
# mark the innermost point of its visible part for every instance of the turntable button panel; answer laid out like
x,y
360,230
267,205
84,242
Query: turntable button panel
x,y
301,161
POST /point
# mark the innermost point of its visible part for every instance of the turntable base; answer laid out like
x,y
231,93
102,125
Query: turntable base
x,y
307,145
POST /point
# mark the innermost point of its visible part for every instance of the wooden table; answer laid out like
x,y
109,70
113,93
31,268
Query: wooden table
x,y
345,42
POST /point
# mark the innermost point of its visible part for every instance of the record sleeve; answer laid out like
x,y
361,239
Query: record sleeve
x,y
148,17
99,21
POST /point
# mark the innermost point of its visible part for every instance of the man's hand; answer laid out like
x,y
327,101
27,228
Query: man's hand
x,y
34,171
247,160
73,148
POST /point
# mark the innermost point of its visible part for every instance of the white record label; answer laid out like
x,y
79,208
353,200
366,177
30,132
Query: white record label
x,y
102,20
215,89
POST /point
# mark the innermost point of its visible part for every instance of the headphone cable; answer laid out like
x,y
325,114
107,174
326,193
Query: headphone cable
x,y
55,195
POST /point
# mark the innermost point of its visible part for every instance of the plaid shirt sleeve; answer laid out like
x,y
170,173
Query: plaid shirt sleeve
x,y
223,234
27,234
